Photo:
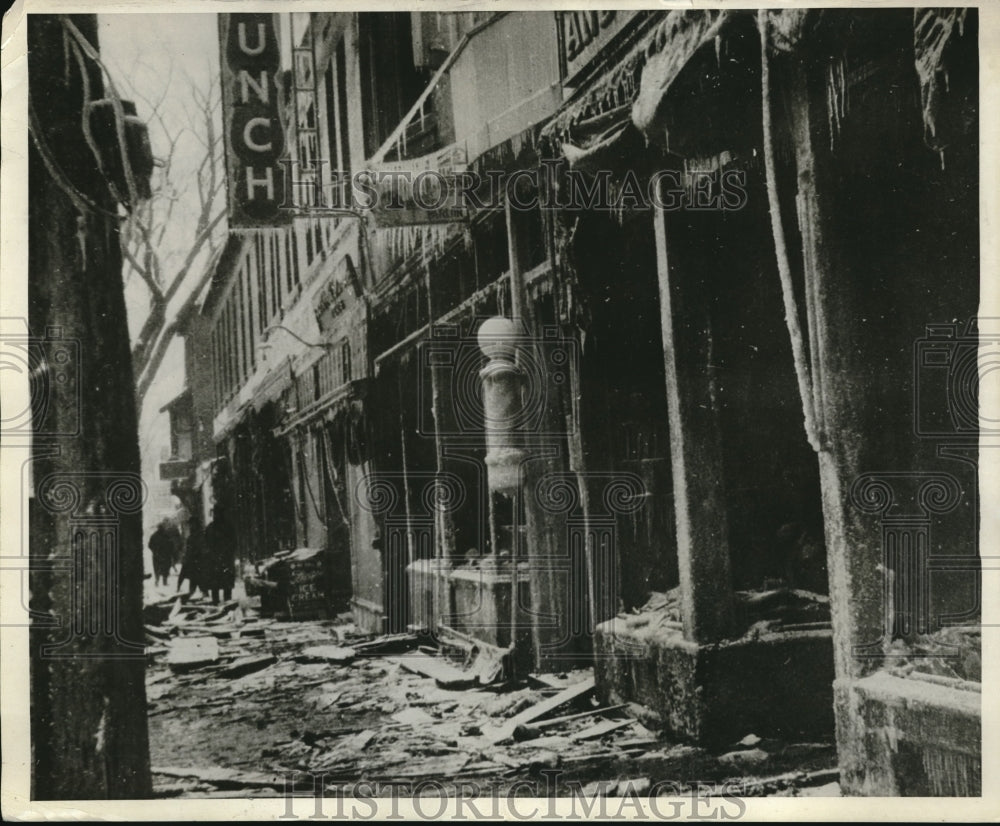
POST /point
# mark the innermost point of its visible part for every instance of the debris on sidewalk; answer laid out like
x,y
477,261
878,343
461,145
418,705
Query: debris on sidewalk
x,y
567,695
443,674
248,665
319,696
326,653
192,652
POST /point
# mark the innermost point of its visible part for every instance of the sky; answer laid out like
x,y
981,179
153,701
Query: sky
x,y
160,58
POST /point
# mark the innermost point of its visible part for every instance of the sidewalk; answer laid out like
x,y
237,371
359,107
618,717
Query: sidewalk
x,y
241,705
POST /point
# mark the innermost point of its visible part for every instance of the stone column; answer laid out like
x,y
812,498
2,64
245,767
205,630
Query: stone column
x,y
695,452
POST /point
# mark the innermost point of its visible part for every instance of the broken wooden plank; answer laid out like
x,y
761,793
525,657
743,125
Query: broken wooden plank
x,y
247,665
791,779
567,695
529,731
326,654
360,740
224,778
642,744
192,652
222,632
412,717
629,787
387,644
249,631
551,742
561,680
215,612
540,709
548,681
158,632
444,674
599,730
327,699
437,767
157,677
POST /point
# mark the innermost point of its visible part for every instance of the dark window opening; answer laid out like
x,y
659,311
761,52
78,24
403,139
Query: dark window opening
x,y
345,143
491,254
530,236
345,362
261,286
275,254
391,83
337,126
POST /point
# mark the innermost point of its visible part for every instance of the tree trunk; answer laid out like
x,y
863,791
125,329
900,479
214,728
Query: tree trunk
x,y
88,704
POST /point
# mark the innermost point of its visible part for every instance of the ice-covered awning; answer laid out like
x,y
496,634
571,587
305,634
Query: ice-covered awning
x,y
634,89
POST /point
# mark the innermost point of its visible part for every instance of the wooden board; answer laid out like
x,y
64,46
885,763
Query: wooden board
x,y
445,675
192,652
540,709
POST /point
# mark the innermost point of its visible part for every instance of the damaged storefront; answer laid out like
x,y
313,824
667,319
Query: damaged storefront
x,y
685,350
691,404
790,313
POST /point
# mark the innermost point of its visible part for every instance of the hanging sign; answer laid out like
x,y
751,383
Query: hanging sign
x,y
250,59
585,32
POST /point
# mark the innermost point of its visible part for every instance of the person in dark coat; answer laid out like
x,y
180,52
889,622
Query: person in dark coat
x,y
163,545
219,571
192,562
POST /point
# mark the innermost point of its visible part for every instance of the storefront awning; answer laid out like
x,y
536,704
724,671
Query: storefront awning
x,y
345,399
278,380
635,88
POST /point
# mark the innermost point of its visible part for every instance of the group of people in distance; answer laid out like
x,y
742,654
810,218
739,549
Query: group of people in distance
x,y
207,557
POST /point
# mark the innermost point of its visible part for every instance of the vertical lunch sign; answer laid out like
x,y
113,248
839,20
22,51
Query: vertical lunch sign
x,y
250,60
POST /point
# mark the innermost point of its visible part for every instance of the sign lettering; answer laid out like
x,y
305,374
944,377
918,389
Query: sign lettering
x,y
255,139
585,33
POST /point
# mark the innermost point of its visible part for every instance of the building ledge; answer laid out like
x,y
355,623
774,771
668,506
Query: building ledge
x,y
906,736
778,684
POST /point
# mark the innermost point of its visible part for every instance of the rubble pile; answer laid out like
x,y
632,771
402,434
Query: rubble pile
x,y
760,612
241,705
952,653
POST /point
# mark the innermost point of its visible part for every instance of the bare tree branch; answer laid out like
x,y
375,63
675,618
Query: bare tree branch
x,y
179,229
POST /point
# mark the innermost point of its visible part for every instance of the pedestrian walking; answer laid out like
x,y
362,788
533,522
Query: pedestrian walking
x,y
220,556
163,545
192,562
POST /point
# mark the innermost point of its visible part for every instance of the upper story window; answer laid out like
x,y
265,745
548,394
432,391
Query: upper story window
x,y
338,125
391,83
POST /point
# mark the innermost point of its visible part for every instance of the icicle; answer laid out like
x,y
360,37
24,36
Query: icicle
x,y
947,83
840,95
66,61
829,111
841,68
81,238
835,99
718,51
941,153
847,96
800,357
